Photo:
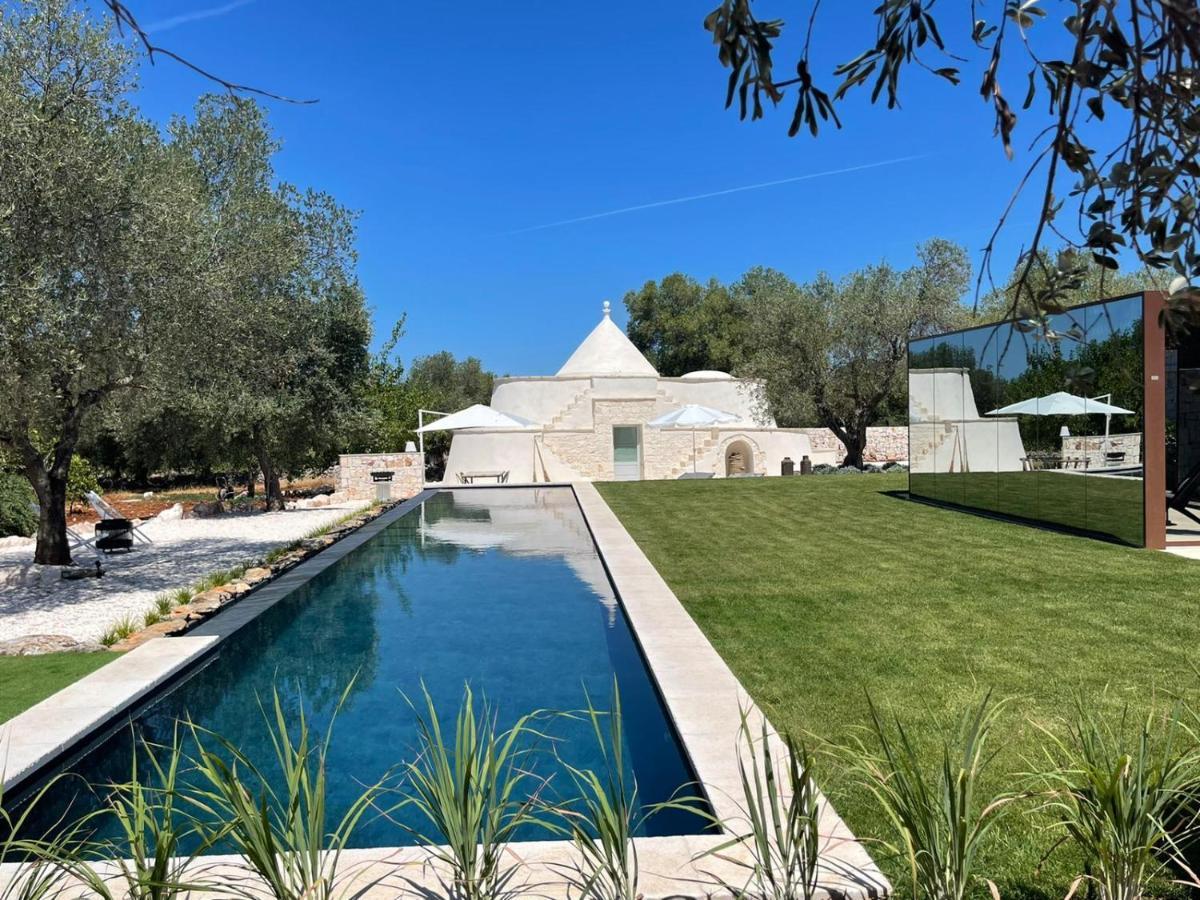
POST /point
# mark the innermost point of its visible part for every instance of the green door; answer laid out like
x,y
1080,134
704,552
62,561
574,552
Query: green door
x,y
627,452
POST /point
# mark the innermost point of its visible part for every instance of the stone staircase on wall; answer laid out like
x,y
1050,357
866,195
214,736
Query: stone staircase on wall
x,y
919,456
567,411
702,450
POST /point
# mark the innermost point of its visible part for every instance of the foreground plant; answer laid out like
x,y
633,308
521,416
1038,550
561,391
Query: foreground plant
x,y
474,794
1126,794
939,820
777,826
47,861
284,834
603,814
150,854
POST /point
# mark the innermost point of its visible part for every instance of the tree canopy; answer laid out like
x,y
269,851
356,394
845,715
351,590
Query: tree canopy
x,y
101,264
166,287
1112,89
683,326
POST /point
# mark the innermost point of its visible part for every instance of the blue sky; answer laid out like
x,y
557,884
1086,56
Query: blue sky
x,y
455,129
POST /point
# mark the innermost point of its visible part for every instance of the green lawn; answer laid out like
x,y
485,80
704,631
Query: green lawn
x,y
818,590
26,680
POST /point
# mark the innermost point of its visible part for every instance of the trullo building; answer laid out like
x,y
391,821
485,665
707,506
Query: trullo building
x,y
590,421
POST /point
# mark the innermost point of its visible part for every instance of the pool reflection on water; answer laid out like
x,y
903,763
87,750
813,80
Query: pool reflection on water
x,y
500,588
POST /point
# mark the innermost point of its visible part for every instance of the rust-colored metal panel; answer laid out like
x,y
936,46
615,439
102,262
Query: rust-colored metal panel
x,y
1154,428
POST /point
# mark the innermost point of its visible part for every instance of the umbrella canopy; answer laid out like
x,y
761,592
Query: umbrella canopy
x,y
693,415
477,416
1061,404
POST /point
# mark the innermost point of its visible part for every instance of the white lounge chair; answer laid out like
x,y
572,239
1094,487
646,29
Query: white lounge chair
x,y
105,510
78,541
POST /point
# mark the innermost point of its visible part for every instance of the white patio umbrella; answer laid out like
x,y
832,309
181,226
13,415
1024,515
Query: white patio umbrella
x,y
1060,403
692,416
477,416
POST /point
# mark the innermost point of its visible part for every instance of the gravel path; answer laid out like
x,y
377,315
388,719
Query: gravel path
x,y
36,600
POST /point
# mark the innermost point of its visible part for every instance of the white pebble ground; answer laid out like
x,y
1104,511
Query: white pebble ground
x,y
36,600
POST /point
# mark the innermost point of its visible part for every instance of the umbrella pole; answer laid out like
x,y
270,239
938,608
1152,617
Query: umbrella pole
x,y
693,451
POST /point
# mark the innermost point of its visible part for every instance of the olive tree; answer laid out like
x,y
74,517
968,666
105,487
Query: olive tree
x,y
292,333
834,352
100,260
1111,89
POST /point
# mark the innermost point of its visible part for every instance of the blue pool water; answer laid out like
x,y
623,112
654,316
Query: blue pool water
x,y
501,588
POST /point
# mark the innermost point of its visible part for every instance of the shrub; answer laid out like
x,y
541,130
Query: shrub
x,y
1125,793
282,832
80,479
149,853
939,821
779,816
475,794
604,814
16,515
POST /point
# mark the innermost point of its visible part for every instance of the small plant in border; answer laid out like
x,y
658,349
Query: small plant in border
x,y
1127,795
149,854
777,825
475,794
604,814
938,819
283,834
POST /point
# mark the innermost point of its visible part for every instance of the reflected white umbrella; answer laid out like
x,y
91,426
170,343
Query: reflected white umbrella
x,y
1060,403
692,416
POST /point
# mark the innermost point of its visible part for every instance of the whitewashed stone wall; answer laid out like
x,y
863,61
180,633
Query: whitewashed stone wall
x,y
1092,448
666,452
354,474
885,443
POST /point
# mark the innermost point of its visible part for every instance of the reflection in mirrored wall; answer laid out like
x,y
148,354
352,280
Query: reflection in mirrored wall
x,y
1040,420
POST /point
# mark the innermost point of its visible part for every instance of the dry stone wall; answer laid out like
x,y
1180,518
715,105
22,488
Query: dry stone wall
x,y
354,474
885,443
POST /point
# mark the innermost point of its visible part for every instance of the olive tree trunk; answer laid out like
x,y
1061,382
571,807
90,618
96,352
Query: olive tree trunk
x,y
272,492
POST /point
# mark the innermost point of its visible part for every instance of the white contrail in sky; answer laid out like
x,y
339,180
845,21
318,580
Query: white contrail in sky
x,y
195,16
733,190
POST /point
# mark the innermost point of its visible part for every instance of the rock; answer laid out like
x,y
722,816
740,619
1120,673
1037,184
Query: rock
x,y
337,498
235,589
157,630
147,495
37,644
171,513
208,602
208,509
16,540
318,502
256,575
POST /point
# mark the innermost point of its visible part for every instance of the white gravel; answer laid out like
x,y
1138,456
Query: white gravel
x,y
36,600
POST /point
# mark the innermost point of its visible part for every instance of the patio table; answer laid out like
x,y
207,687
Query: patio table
x,y
500,476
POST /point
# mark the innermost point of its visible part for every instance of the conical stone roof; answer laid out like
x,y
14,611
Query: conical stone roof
x,y
607,351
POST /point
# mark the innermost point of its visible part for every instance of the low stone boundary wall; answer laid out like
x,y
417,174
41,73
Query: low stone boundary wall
x,y
354,474
885,443
1092,447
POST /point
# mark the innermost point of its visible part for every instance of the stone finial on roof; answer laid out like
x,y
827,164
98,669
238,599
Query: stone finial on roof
x,y
607,308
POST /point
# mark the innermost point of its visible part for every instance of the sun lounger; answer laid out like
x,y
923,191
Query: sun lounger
x,y
106,510
78,541
1179,499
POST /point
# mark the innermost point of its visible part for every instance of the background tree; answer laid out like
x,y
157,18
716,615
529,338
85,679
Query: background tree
x,y
1118,83
833,352
440,381
683,326
100,265
292,336
1075,279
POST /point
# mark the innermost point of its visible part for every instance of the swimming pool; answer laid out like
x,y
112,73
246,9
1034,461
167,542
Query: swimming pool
x,y
502,588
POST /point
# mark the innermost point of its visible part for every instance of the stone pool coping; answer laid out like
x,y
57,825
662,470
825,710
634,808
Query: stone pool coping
x,y
702,696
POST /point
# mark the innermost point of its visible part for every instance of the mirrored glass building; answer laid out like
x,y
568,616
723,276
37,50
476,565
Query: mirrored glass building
x,y
1087,420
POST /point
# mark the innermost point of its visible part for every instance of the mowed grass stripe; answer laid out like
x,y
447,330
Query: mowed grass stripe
x,y
818,590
